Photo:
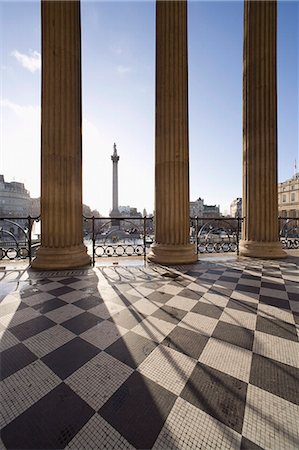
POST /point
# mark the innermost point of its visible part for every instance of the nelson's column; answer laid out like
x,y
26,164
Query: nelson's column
x,y
115,210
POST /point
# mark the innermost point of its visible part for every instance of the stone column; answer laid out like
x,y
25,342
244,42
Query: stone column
x,y
61,152
171,244
114,159
260,201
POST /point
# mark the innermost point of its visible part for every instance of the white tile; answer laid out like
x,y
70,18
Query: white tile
x,y
7,340
189,428
272,312
38,298
50,286
98,379
153,328
64,313
103,334
199,323
144,306
227,358
184,303
168,368
215,299
270,421
20,316
98,434
246,296
24,388
45,342
239,318
73,296
276,348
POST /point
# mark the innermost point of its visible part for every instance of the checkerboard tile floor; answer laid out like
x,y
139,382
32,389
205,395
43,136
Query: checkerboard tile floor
x,y
126,357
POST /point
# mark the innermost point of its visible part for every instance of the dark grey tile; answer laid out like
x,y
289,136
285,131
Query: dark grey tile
x,y
233,334
274,286
218,394
229,279
88,302
245,288
131,349
277,327
29,292
188,293
220,290
186,341
152,284
293,296
44,281
82,322
14,359
138,410
246,444
274,301
69,280
31,327
68,358
242,305
61,291
169,314
127,318
160,297
208,310
216,271
49,305
275,377
248,276
52,422
296,317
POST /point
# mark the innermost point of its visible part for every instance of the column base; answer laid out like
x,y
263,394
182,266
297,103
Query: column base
x,y
172,254
49,258
266,250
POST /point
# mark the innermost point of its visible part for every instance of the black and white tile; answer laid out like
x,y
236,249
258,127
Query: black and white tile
x,y
125,357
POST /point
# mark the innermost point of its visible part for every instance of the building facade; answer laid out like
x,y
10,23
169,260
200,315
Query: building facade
x,y
196,208
236,207
288,197
15,200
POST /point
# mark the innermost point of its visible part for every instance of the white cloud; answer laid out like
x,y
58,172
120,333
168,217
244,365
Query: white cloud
x,y
122,70
31,62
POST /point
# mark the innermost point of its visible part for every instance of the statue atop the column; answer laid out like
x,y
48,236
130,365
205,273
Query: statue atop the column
x,y
114,157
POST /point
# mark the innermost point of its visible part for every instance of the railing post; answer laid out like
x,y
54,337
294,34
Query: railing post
x,y
93,243
29,239
144,238
196,234
238,231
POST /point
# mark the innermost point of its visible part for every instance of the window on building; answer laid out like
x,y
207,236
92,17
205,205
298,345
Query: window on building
x,y
292,196
284,198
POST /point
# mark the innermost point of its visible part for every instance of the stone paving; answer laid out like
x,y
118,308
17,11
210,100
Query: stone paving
x,y
191,357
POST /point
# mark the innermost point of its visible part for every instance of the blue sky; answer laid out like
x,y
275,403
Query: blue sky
x,y
118,55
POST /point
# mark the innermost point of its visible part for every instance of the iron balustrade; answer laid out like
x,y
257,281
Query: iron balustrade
x,y
132,236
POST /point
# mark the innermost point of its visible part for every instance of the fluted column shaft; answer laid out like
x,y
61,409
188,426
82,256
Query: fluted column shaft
x,y
115,187
172,152
61,152
260,202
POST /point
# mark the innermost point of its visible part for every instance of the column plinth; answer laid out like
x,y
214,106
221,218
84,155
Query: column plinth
x,y
172,241
260,198
61,151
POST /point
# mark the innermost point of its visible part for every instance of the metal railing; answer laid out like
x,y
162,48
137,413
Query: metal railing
x,y
107,237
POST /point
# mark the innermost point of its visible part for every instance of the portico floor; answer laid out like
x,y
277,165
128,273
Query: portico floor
x,y
124,357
